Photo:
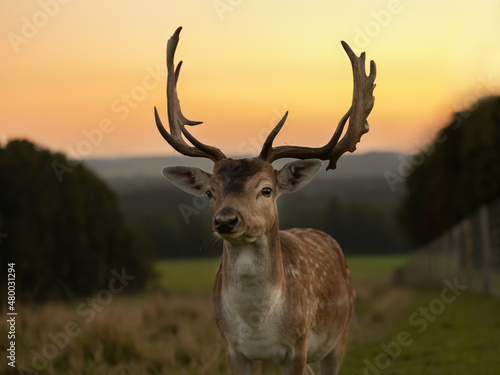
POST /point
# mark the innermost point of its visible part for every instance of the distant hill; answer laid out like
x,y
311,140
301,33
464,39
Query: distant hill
x,y
369,165
353,199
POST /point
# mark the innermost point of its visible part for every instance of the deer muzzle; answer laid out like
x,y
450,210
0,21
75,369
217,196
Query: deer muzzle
x,y
226,220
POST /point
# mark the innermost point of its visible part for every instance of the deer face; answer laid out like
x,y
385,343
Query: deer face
x,y
243,192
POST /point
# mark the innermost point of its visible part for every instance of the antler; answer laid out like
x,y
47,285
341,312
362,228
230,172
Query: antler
x,y
176,119
362,104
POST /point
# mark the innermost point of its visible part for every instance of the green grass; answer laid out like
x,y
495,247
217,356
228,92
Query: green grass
x,y
374,268
197,275
186,276
461,339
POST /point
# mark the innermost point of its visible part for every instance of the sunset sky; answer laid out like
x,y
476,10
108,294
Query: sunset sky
x,y
74,70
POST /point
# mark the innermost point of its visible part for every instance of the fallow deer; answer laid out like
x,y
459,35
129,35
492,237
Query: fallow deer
x,y
283,296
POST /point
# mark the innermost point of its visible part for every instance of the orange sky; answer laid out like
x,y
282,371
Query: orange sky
x,y
70,67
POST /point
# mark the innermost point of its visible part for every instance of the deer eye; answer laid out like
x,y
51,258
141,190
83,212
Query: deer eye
x,y
209,194
266,192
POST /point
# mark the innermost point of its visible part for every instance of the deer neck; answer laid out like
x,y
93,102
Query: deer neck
x,y
255,263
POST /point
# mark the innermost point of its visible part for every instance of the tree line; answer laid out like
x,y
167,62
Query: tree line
x,y
459,172
179,226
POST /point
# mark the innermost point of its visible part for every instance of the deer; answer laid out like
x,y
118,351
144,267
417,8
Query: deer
x,y
282,296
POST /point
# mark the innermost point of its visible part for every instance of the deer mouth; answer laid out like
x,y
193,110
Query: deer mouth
x,y
236,237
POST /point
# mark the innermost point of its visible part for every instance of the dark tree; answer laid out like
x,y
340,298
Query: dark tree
x,y
65,231
460,172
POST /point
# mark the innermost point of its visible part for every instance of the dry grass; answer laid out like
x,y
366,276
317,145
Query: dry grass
x,y
151,335
156,334
175,334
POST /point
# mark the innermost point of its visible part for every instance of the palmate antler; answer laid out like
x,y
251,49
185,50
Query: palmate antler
x,y
362,104
176,119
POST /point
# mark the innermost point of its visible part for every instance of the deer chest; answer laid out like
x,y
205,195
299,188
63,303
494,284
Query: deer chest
x,y
252,314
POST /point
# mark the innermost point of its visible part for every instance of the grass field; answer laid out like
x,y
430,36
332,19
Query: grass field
x,y
461,339
186,275
197,275
399,331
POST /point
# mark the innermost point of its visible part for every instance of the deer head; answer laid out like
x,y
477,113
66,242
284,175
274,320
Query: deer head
x,y
243,192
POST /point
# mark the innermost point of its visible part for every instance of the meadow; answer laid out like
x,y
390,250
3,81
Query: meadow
x,y
197,275
170,330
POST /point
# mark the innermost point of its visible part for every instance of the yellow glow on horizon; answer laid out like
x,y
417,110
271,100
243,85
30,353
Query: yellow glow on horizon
x,y
89,61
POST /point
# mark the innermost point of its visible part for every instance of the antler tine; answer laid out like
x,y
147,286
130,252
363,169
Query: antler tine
x,y
268,144
362,104
271,154
176,119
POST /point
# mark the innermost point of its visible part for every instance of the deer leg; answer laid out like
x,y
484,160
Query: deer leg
x,y
238,364
296,363
297,367
330,365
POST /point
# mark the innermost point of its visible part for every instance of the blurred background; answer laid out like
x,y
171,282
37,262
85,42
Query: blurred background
x,y
114,265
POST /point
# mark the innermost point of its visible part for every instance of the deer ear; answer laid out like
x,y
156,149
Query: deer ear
x,y
191,180
297,174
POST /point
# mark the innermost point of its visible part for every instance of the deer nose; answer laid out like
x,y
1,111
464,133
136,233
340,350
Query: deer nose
x,y
226,220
